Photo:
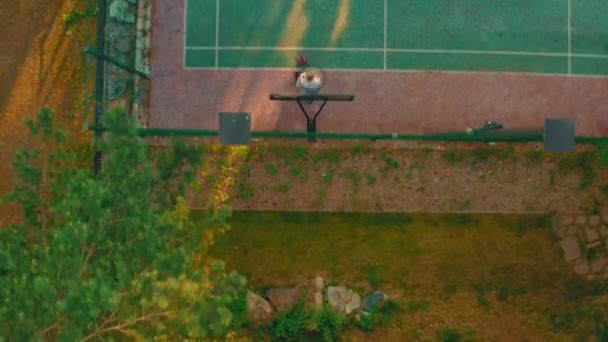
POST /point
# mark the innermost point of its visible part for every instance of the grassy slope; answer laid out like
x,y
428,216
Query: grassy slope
x,y
495,277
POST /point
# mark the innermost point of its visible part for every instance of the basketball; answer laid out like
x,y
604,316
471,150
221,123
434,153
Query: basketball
x,y
302,60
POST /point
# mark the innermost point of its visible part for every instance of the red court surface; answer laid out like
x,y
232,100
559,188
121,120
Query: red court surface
x,y
403,102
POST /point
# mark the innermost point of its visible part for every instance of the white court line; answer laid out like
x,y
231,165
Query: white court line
x,y
217,32
379,70
285,48
185,33
437,51
569,37
385,32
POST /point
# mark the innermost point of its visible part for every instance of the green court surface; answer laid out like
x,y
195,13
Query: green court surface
x,y
539,36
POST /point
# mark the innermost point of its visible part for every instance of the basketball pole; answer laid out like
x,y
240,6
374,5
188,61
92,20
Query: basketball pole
x,y
99,82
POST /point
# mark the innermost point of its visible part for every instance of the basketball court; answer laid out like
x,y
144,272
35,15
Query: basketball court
x,y
415,66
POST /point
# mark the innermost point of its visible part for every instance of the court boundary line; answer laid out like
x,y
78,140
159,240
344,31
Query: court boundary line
x,y
569,37
217,33
379,50
405,71
385,32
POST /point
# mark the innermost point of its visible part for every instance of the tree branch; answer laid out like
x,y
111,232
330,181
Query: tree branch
x,y
86,261
121,327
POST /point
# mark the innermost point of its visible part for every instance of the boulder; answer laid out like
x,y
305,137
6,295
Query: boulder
x,y
373,300
284,298
259,309
119,11
343,299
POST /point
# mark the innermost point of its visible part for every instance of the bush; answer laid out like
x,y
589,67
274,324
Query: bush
x,y
289,325
238,309
390,308
330,324
450,335
367,322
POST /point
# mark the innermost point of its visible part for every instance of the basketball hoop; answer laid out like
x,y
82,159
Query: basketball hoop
x,y
311,80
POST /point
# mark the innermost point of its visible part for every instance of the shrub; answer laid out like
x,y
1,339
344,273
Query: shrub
x,y
330,324
450,335
367,322
289,325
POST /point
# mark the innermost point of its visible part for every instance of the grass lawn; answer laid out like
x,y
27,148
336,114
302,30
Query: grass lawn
x,y
477,277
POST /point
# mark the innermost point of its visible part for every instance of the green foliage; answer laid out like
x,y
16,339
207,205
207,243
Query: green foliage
x,y
373,278
328,177
320,197
602,154
245,190
283,187
389,163
453,156
367,322
330,324
356,150
584,162
388,309
295,171
534,157
71,18
561,321
417,305
271,169
480,290
300,152
111,256
369,178
290,325
448,290
427,150
238,310
482,154
450,335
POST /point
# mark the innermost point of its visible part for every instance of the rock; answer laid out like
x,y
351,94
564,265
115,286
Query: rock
x,y
572,250
318,283
593,246
373,300
565,220
605,218
284,298
259,308
591,234
123,45
603,231
581,266
594,220
343,299
562,231
119,10
581,220
571,230
598,264
318,299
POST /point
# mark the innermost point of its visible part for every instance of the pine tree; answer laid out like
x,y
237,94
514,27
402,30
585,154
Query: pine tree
x,y
114,255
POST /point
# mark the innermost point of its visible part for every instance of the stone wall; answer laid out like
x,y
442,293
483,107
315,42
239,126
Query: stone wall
x,y
142,62
128,41
584,241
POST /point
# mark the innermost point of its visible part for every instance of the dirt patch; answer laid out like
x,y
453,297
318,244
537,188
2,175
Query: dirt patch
x,y
40,65
434,178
